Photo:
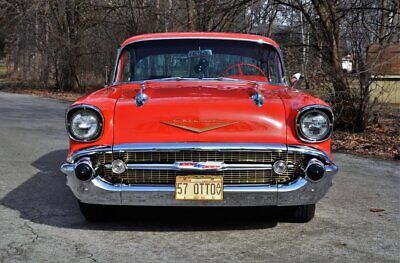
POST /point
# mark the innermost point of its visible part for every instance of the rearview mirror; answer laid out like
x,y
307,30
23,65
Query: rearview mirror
x,y
200,53
296,80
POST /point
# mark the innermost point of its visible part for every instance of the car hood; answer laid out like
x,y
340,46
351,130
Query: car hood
x,y
193,112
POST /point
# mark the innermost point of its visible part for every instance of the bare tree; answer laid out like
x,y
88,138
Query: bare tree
x,y
336,23
70,43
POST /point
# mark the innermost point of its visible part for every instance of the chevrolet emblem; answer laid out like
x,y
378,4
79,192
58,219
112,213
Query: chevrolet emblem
x,y
197,126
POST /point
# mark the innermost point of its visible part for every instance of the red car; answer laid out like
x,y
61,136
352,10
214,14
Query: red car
x,y
199,119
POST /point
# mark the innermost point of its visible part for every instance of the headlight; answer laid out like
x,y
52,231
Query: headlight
x,y
314,124
84,124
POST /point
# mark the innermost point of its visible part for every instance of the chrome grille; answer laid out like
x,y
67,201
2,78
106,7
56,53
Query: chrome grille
x,y
230,176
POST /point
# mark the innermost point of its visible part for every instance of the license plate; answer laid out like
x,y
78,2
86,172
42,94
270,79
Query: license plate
x,y
202,188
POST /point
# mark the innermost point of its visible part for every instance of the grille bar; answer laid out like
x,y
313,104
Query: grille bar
x,y
161,166
203,156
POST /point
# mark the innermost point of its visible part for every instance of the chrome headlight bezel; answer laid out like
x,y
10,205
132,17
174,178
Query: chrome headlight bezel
x,y
324,111
72,111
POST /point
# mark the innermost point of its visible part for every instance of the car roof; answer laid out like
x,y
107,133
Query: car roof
x,y
204,35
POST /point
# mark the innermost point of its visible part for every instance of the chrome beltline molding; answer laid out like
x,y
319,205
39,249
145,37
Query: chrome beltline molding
x,y
154,147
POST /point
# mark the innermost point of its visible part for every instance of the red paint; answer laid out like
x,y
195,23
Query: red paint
x,y
210,101
199,102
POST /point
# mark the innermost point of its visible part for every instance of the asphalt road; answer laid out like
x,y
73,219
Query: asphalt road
x,y
40,220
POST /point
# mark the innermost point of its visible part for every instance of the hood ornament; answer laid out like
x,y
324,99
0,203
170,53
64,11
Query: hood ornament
x,y
198,126
141,98
257,97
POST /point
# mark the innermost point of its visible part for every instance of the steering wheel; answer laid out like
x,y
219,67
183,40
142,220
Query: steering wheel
x,y
240,72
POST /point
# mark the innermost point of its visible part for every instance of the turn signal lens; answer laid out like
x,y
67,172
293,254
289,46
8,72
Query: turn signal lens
x,y
280,167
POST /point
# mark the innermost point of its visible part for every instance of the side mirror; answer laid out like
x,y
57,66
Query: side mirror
x,y
296,80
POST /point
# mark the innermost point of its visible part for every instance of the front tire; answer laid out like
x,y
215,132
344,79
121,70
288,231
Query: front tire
x,y
95,213
302,213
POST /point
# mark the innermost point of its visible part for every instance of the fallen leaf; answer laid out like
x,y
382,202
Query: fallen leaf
x,y
376,210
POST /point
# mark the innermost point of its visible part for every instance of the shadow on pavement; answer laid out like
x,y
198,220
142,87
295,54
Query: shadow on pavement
x,y
45,199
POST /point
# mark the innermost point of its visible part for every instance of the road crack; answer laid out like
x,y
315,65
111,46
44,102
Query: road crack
x,y
34,233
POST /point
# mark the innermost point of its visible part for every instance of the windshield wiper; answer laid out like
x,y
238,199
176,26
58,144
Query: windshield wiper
x,y
232,79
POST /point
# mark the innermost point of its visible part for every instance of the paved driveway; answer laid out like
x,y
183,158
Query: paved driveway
x,y
40,220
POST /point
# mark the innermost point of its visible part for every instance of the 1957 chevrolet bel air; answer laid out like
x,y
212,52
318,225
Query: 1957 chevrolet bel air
x,y
199,119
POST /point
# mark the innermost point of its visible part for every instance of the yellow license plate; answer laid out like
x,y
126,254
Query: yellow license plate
x,y
202,188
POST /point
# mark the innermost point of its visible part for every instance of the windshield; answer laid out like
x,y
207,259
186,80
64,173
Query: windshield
x,y
199,58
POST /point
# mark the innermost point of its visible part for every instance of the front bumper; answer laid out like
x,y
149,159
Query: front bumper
x,y
300,192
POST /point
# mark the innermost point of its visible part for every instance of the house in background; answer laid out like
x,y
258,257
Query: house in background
x,y
384,64
347,64
384,61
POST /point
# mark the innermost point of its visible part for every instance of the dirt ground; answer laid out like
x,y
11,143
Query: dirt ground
x,y
380,139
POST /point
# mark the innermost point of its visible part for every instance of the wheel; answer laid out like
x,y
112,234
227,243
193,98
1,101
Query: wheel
x,y
95,213
302,213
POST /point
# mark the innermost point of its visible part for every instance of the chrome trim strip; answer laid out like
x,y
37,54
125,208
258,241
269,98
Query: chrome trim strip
x,y
88,151
331,170
154,147
119,52
247,167
199,80
168,188
84,107
309,151
147,166
260,41
68,169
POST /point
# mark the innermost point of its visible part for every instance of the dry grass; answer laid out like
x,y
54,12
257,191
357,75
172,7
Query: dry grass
x,y
3,71
42,92
387,91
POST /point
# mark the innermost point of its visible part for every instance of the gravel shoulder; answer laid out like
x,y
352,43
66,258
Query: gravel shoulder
x,y
41,222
